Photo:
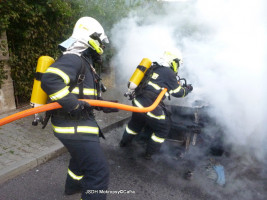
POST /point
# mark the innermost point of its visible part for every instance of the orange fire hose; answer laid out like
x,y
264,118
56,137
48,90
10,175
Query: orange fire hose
x,y
100,103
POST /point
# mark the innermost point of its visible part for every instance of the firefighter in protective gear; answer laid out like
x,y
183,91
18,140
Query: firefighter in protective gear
x,y
163,76
70,78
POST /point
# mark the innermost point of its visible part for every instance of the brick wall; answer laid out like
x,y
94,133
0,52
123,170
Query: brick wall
x,y
7,100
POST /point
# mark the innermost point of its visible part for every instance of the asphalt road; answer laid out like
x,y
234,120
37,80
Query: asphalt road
x,y
134,178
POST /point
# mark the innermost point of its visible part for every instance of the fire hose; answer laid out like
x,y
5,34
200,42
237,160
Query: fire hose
x,y
100,103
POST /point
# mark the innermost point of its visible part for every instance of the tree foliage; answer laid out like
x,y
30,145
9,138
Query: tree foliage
x,y
34,28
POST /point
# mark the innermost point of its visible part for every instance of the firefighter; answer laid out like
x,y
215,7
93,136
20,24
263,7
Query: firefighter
x,y
70,78
163,75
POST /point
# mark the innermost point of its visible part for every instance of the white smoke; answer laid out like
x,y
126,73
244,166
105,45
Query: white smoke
x,y
224,48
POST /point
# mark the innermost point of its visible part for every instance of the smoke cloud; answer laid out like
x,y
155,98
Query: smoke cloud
x,y
223,44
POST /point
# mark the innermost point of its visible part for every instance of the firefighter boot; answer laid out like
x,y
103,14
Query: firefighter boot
x,y
147,156
126,139
72,186
151,149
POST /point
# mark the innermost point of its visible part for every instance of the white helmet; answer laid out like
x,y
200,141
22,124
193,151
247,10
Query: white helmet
x,y
89,32
172,59
85,27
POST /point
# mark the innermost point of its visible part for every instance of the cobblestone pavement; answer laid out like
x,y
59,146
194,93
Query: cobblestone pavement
x,y
23,146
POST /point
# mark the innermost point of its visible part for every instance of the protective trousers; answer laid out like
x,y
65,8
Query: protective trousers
x,y
88,169
160,128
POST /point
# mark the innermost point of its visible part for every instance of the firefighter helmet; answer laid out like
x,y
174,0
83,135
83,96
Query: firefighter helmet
x,y
88,31
172,59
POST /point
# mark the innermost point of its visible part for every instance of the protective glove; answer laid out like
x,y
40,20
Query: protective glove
x,y
80,109
189,88
105,109
110,110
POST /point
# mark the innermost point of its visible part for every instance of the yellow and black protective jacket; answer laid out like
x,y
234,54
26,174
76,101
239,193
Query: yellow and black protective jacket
x,y
162,77
56,82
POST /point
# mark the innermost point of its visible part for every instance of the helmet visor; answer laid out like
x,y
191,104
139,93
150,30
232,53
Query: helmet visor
x,y
175,65
104,38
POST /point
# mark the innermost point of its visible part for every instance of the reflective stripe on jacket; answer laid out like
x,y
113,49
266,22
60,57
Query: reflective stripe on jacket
x,y
164,77
156,115
56,82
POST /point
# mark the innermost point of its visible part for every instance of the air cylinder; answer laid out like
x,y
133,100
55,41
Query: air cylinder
x,y
39,97
139,73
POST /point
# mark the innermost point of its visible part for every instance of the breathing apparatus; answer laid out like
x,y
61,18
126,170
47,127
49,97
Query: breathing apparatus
x,y
39,97
137,76
96,43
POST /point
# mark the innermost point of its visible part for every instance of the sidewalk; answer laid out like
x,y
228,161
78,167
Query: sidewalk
x,y
23,146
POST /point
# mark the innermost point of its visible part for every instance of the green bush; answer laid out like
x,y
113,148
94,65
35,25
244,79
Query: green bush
x,y
34,28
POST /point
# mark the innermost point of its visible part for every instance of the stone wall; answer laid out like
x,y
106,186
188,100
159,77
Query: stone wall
x,y
7,100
